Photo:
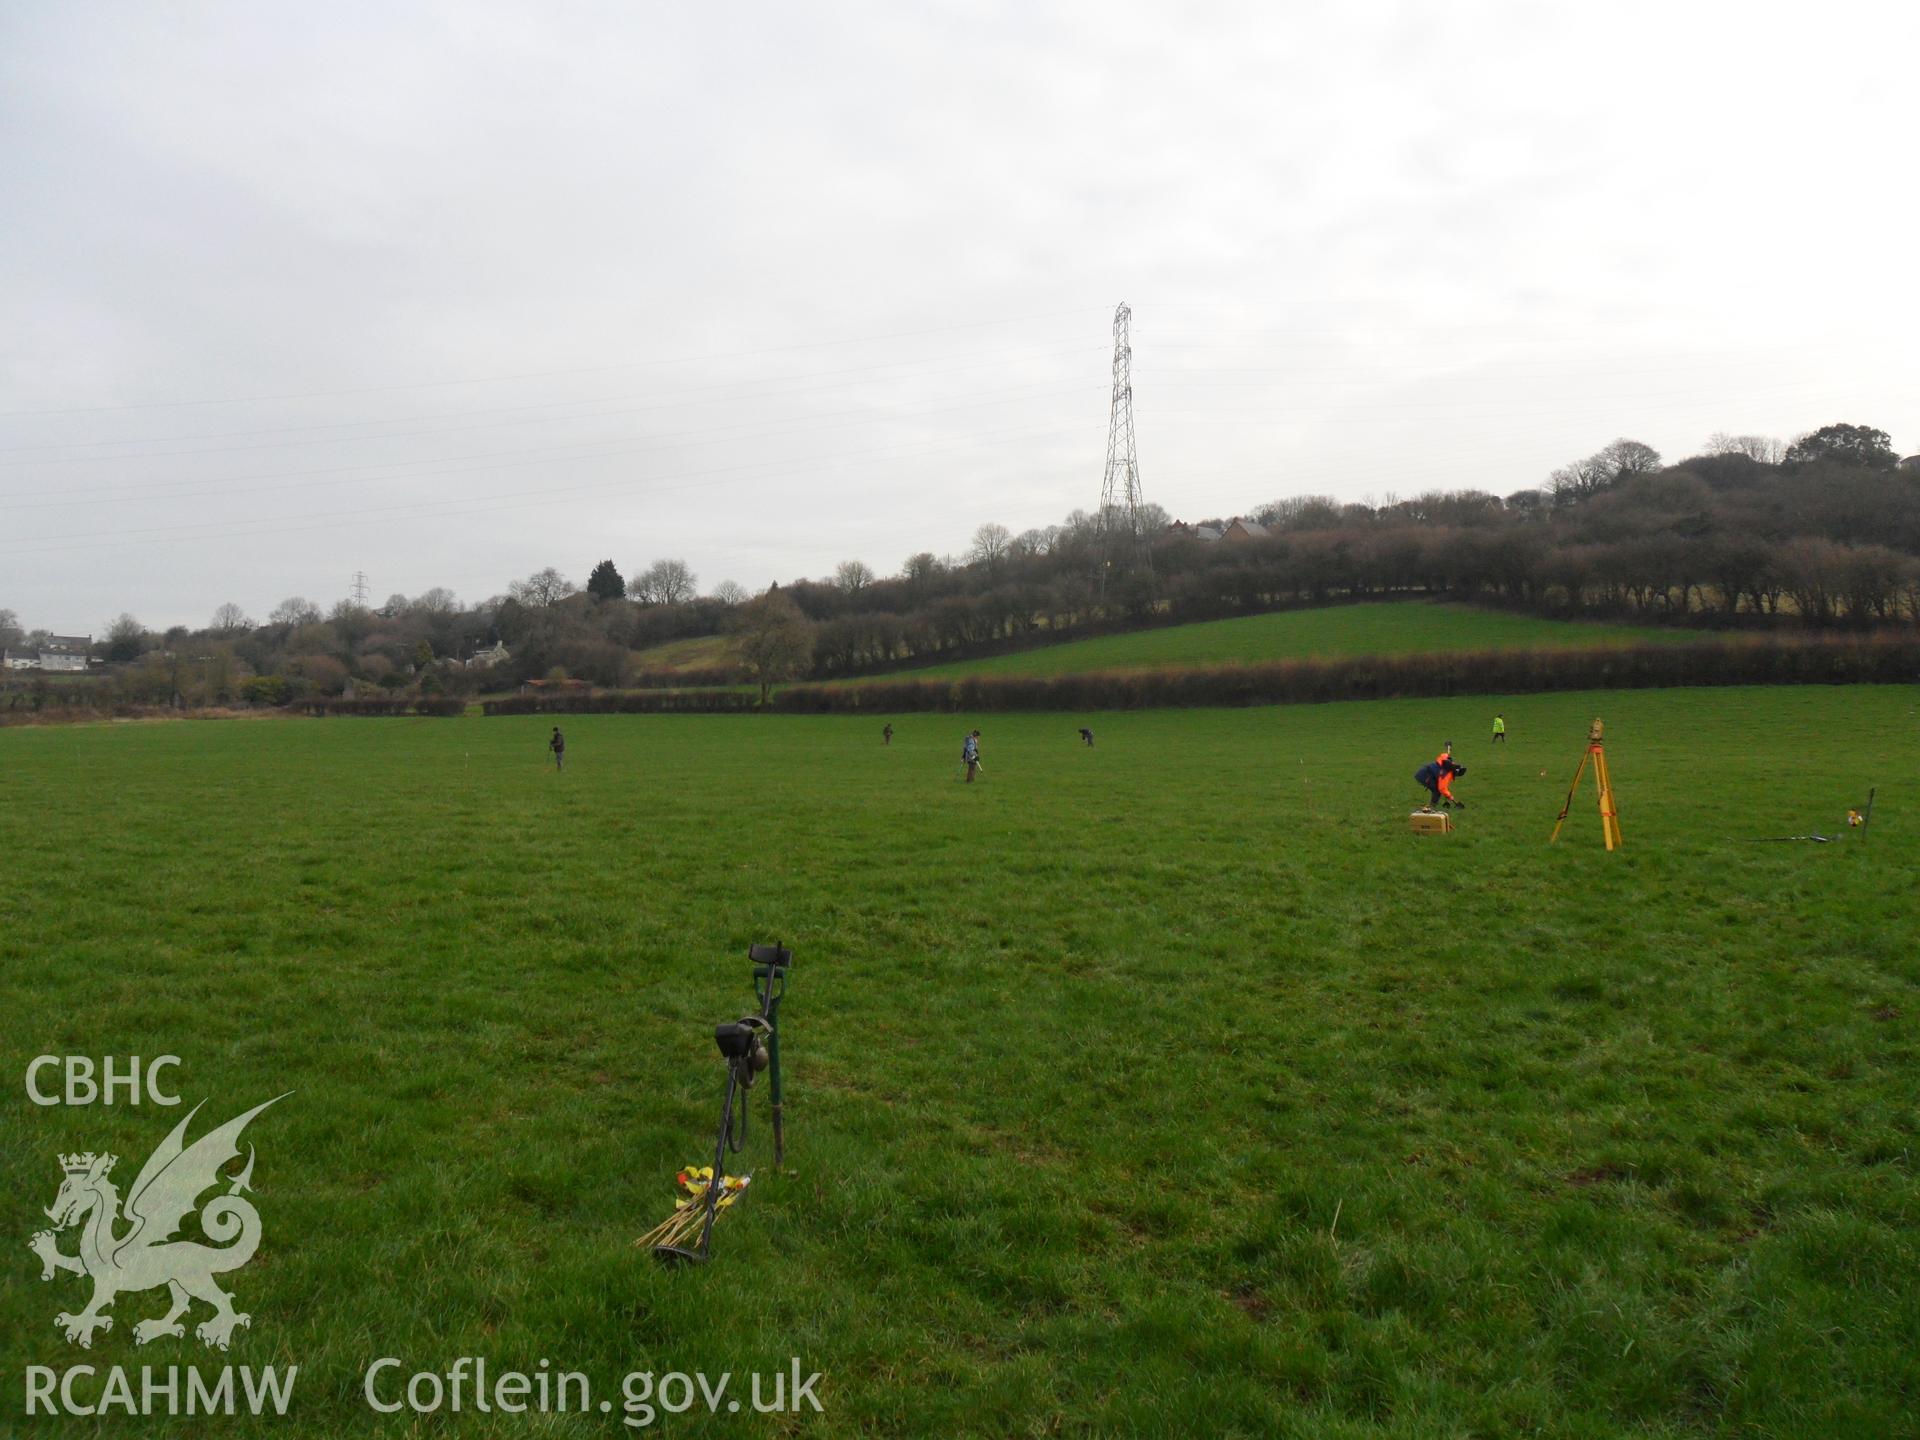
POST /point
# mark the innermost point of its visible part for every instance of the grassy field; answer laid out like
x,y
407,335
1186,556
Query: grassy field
x,y
1397,627
1169,1087
698,652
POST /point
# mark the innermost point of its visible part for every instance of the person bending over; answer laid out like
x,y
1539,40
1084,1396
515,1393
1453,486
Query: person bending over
x,y
1438,776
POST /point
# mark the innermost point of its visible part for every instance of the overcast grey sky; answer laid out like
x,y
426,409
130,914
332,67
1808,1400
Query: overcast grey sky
x,y
448,293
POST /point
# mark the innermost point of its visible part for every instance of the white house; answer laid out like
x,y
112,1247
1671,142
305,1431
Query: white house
x,y
61,652
489,657
65,652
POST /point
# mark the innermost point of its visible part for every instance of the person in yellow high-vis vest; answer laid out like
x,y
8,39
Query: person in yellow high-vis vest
x,y
1499,729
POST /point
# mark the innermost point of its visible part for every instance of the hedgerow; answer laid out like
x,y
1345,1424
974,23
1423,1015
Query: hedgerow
x,y
1888,658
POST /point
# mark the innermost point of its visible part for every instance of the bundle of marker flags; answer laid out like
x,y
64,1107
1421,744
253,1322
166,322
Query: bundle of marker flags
x,y
689,1214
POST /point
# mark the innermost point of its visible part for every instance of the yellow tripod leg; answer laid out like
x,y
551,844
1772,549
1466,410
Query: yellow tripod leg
x,y
1609,816
1572,790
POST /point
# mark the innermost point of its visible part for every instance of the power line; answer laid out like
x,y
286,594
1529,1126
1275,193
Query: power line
x,y
534,374
579,450
722,392
471,505
728,395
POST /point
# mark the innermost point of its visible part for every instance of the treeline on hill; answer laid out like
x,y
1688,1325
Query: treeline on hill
x,y
1824,533
1832,659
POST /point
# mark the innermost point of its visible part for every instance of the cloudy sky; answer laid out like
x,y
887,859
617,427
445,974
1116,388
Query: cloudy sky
x,y
447,293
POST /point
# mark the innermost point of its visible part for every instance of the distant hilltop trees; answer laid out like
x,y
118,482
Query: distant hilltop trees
x,y
1823,531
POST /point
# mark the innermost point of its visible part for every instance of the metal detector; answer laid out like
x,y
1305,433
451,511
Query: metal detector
x,y
1856,821
748,1045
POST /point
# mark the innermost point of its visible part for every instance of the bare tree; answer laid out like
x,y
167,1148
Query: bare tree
x,y
295,610
853,576
229,618
351,622
1628,457
1029,544
1763,449
10,631
665,582
774,641
542,588
1602,470
437,601
989,546
730,592
1300,512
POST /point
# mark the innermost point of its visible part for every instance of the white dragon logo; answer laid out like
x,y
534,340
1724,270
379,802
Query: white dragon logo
x,y
146,1256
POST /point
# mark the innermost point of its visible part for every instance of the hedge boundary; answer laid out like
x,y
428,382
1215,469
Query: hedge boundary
x,y
1882,659
440,705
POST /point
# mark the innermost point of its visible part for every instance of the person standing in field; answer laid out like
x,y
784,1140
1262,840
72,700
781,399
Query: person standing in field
x,y
1499,729
886,735
970,755
558,745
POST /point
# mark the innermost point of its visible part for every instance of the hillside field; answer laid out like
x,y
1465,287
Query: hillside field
x,y
1393,627
697,652
1169,1087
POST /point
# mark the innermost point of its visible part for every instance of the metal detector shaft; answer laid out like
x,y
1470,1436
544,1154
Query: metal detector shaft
x,y
717,1181
770,963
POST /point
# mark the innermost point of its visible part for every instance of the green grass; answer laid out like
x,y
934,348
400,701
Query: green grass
x,y
1169,1087
698,652
1398,627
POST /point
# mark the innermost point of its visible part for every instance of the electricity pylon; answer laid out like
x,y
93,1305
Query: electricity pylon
x,y
1122,545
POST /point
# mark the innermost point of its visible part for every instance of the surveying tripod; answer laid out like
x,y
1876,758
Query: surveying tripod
x,y
1609,817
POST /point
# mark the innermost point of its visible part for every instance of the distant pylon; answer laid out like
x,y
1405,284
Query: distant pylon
x,y
1122,546
360,588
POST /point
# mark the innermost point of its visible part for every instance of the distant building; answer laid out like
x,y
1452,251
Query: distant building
x,y
1206,534
1244,530
66,652
487,658
61,652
